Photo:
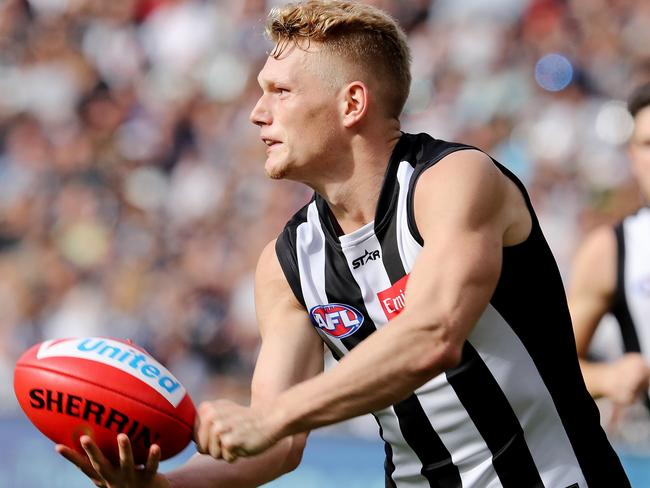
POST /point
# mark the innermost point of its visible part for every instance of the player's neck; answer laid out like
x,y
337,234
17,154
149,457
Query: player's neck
x,y
353,199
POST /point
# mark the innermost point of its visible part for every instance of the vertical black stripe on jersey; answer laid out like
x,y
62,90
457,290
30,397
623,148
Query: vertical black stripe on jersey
x,y
389,466
285,250
331,348
388,196
341,287
437,465
495,420
621,310
387,230
387,237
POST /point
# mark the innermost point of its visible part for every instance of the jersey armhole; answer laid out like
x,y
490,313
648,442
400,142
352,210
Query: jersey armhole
x,y
410,202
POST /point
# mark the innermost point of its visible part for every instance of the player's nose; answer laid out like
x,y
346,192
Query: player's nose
x,y
260,115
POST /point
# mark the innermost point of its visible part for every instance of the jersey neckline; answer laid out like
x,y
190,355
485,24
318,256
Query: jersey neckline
x,y
385,202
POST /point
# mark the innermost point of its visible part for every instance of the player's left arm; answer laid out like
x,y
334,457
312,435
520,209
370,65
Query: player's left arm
x,y
590,296
466,211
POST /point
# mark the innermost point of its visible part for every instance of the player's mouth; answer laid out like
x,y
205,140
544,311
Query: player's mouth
x,y
270,143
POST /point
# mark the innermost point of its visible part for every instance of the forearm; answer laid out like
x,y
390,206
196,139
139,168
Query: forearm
x,y
203,471
622,380
381,371
596,376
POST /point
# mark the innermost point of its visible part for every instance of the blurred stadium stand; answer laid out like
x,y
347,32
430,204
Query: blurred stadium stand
x,y
132,197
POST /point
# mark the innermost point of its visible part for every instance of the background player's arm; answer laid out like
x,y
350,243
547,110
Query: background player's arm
x,y
590,295
291,352
466,210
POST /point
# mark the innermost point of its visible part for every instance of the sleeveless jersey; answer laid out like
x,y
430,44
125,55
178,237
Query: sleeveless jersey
x,y
515,412
631,306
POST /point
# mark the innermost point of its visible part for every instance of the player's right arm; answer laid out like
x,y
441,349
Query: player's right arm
x,y
591,295
291,352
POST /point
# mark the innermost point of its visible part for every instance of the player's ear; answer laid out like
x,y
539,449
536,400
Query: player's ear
x,y
355,103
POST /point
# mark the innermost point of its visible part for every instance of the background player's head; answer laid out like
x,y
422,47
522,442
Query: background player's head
x,y
639,147
335,65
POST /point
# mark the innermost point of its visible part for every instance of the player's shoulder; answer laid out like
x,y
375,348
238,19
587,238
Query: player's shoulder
x,y
469,186
267,263
432,157
441,165
272,284
423,150
468,172
464,161
599,243
638,218
270,278
594,262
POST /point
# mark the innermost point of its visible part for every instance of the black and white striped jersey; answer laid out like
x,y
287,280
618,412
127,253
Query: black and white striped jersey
x,y
515,412
631,305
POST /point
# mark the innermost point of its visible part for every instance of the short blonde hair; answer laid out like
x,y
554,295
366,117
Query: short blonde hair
x,y
361,34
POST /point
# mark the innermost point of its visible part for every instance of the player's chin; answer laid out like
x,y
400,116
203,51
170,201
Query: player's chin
x,y
275,171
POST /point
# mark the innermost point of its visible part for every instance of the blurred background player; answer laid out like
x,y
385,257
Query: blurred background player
x,y
611,275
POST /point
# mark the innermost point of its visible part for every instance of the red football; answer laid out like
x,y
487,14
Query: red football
x,y
101,386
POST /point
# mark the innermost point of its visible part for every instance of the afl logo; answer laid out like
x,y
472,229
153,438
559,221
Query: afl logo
x,y
336,319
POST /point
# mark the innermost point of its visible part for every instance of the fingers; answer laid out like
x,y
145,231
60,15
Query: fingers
x,y
100,470
151,468
214,441
202,428
96,457
229,454
229,457
229,431
230,450
126,454
208,431
78,460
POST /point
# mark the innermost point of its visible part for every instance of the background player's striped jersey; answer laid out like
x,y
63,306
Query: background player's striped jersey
x,y
631,305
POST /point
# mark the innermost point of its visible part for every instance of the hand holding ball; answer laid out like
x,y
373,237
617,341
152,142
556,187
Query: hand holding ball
x,y
102,387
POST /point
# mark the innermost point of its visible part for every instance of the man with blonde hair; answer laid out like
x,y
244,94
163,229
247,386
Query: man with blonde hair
x,y
415,264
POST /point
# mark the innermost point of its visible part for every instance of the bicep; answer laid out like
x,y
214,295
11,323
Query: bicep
x,y
592,286
460,211
291,350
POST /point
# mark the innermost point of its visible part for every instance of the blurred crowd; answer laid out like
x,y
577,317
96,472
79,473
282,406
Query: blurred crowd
x,y
133,201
